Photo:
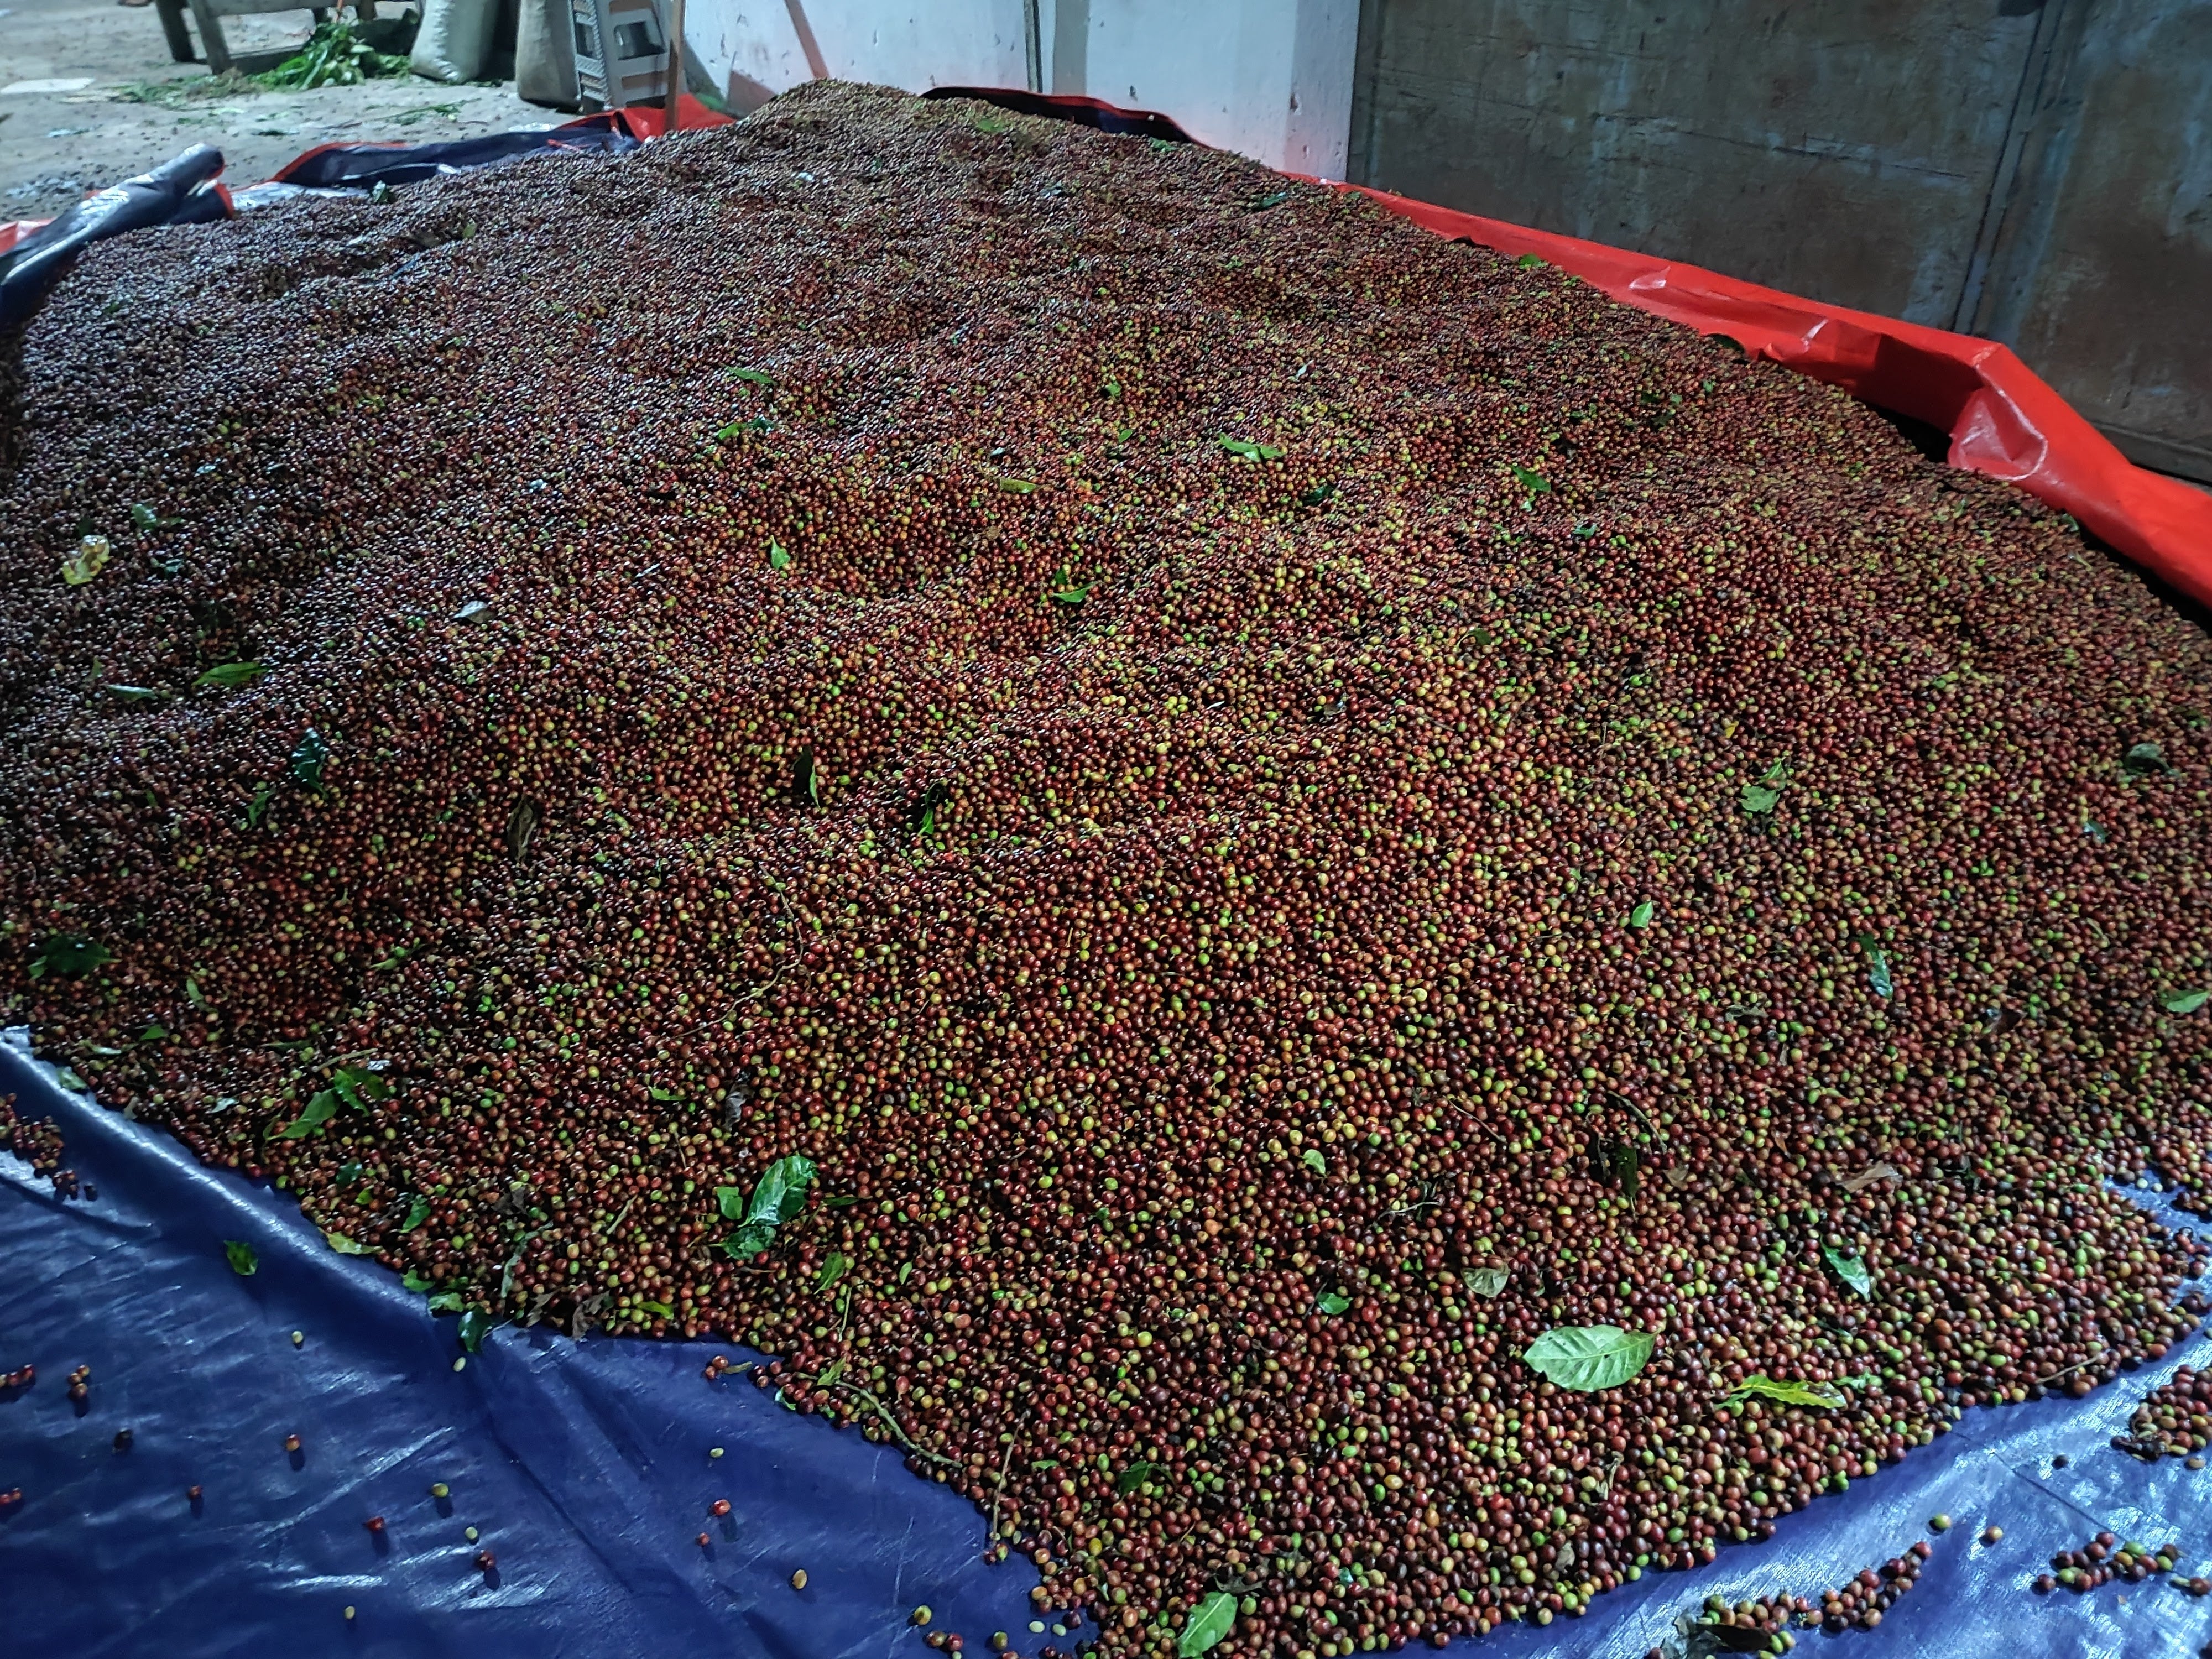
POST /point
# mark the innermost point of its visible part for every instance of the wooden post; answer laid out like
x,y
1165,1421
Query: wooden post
x,y
173,25
674,64
213,46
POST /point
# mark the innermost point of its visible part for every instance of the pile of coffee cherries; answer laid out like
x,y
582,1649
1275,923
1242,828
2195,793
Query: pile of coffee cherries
x,y
1858,1605
2103,1559
2174,1421
1140,818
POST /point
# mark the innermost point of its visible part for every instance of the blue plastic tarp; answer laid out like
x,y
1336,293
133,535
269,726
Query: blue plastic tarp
x,y
362,167
585,1467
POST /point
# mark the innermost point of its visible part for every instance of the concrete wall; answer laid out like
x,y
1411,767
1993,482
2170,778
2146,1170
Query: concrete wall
x,y
2100,250
1271,79
2040,171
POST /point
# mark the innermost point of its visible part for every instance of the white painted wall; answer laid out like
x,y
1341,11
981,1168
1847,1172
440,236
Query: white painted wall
x,y
1271,79
753,49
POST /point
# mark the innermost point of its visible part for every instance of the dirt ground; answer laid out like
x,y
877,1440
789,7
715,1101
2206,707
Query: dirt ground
x,y
88,94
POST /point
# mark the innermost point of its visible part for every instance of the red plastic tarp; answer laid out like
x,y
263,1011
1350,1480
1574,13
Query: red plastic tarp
x,y
651,120
13,231
2003,421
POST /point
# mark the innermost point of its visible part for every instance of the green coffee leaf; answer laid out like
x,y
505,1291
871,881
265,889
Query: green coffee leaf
x,y
777,1196
1250,451
1528,259
1786,1394
1851,1269
731,1200
448,1302
1018,486
474,1324
1135,1476
2144,760
1534,482
1332,1304
659,1308
1641,915
1312,1158
2184,1002
753,375
413,1281
85,560
777,558
68,956
782,1191
1877,964
258,808
1273,199
309,757
243,1260
345,1246
358,1088
1760,797
138,693
1588,1358
1485,1281
1208,1626
417,1213
319,1111
921,817
231,674
750,1239
835,1267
